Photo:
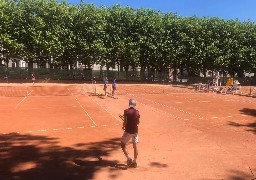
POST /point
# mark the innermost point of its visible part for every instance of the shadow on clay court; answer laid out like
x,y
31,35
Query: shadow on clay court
x,y
158,165
249,112
25,156
240,175
252,125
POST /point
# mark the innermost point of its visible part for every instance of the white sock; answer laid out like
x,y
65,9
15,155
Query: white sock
x,y
128,157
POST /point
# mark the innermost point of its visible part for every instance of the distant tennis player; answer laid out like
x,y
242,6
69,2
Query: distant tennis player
x,y
105,85
6,78
130,127
114,87
94,80
33,78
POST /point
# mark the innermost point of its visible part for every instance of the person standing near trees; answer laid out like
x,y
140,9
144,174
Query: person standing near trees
x,y
94,80
6,78
114,87
105,85
33,78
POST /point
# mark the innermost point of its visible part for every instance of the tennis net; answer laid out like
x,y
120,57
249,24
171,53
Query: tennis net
x,y
45,90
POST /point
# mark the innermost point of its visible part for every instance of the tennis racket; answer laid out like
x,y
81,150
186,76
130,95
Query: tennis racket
x,y
121,117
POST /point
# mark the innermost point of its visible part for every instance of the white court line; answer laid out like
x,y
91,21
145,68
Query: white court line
x,y
83,109
20,102
23,99
106,110
112,115
42,130
55,129
86,112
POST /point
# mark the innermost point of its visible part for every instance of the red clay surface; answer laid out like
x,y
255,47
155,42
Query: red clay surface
x,y
53,131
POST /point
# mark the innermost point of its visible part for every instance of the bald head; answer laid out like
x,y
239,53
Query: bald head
x,y
132,103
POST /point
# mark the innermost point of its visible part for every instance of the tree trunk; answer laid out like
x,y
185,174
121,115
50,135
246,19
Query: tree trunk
x,y
204,72
30,63
118,70
142,74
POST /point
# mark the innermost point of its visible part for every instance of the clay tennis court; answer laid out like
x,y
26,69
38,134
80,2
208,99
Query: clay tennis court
x,y
64,131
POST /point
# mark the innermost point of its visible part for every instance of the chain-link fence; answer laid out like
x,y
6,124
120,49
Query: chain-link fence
x,y
23,74
80,75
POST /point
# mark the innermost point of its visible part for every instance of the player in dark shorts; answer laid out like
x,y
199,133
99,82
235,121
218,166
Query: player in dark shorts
x,y
105,85
33,78
114,87
94,80
6,78
130,127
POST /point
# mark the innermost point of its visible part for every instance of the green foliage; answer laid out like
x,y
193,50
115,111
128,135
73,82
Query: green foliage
x,y
64,34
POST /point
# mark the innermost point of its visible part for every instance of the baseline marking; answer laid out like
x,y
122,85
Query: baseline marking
x,y
55,129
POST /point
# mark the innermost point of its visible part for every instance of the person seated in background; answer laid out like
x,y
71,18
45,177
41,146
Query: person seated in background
x,y
6,78
93,80
33,77
236,85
